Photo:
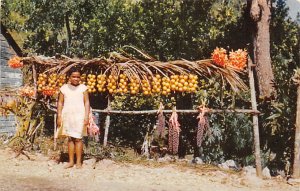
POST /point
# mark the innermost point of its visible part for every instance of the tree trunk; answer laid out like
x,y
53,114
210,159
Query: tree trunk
x,y
261,14
296,165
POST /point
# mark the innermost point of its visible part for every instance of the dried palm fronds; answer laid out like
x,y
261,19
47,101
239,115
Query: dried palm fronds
x,y
139,69
203,124
174,130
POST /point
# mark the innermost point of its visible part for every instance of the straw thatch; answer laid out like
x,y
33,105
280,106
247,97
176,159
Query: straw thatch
x,y
139,69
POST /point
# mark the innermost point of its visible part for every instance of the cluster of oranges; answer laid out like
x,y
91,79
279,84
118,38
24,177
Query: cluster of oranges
x,y
49,85
237,59
15,62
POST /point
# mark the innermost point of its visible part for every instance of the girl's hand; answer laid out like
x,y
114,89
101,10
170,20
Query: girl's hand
x,y
58,122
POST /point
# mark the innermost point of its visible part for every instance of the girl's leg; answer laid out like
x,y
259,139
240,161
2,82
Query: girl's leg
x,y
78,150
71,153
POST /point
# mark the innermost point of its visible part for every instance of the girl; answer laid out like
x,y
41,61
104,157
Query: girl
x,y
73,114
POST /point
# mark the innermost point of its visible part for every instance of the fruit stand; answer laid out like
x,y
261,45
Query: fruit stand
x,y
124,74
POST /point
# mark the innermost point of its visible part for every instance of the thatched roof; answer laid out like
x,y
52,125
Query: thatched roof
x,y
117,63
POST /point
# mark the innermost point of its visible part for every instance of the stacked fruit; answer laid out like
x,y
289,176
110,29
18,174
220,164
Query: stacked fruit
x,y
51,88
166,86
61,80
112,84
134,86
174,82
156,84
122,85
91,83
192,83
41,82
146,87
101,81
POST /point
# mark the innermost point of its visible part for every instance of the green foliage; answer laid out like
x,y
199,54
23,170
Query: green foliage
x,y
173,29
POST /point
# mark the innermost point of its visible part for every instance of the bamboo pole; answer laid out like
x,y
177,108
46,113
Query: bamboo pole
x,y
296,165
107,122
255,120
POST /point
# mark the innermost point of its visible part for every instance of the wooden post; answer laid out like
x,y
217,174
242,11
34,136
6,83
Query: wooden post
x,y
107,122
255,120
296,165
34,75
55,129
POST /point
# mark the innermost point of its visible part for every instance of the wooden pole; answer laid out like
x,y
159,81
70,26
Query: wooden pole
x,y
249,111
55,129
296,165
34,75
255,120
107,122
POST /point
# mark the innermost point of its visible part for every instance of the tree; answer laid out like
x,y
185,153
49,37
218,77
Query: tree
x,y
261,14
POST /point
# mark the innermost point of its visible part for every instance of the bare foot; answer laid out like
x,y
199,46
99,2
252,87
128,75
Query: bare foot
x,y
69,165
78,166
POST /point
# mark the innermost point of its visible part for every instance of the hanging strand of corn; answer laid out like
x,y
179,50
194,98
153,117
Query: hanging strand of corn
x,y
174,129
161,121
203,124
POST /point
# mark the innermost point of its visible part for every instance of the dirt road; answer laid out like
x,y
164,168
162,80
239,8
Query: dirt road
x,y
44,174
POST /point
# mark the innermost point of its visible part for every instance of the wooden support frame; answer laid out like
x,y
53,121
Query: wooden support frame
x,y
254,119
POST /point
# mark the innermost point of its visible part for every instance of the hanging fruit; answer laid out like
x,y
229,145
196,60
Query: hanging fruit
x,y
219,57
61,80
49,91
134,86
41,82
192,83
156,84
101,81
146,87
122,85
166,86
174,82
238,59
112,84
15,62
91,83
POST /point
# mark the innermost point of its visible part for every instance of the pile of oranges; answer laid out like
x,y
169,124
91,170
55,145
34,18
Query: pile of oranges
x,y
237,59
121,84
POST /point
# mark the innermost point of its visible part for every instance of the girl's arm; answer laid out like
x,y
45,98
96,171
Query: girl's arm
x,y
60,104
86,107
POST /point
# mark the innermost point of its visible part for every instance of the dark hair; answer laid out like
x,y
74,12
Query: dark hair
x,y
73,69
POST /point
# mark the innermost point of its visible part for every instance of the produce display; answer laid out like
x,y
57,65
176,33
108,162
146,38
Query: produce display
x,y
154,78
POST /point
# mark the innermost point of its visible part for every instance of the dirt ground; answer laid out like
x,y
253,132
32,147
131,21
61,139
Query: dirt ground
x,y
41,173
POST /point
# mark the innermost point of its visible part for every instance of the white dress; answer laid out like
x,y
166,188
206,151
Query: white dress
x,y
73,111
